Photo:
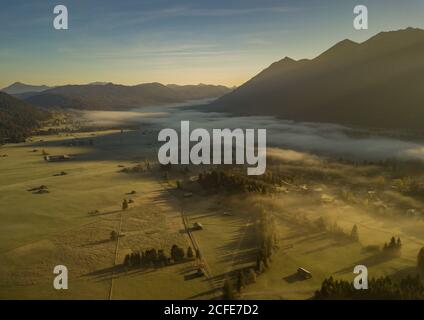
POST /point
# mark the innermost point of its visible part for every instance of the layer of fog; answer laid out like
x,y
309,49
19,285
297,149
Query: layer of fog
x,y
315,138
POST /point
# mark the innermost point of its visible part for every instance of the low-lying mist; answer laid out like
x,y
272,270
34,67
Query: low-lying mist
x,y
315,138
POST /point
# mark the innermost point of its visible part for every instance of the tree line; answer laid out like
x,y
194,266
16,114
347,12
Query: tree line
x,y
393,246
407,288
158,258
379,288
231,182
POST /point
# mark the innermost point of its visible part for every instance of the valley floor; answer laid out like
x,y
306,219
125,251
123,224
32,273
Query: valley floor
x,y
71,222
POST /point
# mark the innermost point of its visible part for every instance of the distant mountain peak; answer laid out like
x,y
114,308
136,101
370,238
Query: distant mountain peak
x,y
287,59
341,48
19,87
347,42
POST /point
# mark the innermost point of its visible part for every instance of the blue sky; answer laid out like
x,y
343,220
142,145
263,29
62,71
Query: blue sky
x,y
136,41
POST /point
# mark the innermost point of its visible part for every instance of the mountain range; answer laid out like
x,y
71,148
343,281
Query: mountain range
x,y
109,96
377,83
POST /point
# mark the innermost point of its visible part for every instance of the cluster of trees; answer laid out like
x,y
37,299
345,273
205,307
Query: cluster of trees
x,y
379,288
354,234
411,186
157,258
228,292
393,246
336,230
114,235
264,257
267,241
272,177
339,232
232,288
18,119
125,204
414,188
217,179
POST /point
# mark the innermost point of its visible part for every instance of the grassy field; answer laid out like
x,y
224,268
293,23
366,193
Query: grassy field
x,y
40,230
323,255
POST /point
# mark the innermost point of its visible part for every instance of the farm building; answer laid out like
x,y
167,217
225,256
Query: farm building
x,y
63,157
304,273
197,226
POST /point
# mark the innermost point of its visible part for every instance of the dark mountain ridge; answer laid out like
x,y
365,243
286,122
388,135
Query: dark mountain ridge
x,y
111,96
377,83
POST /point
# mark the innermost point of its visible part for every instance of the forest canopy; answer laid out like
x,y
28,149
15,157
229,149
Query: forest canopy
x,y
18,119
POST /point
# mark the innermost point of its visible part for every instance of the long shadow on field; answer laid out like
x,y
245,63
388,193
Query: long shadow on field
x,y
311,237
97,242
369,262
101,214
205,216
120,271
105,273
207,293
116,271
295,277
294,233
242,248
106,146
333,244
189,272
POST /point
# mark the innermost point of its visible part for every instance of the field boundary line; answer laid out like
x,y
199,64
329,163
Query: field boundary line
x,y
193,241
116,257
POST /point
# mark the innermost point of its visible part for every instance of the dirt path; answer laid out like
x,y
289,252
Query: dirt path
x,y
194,243
115,263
